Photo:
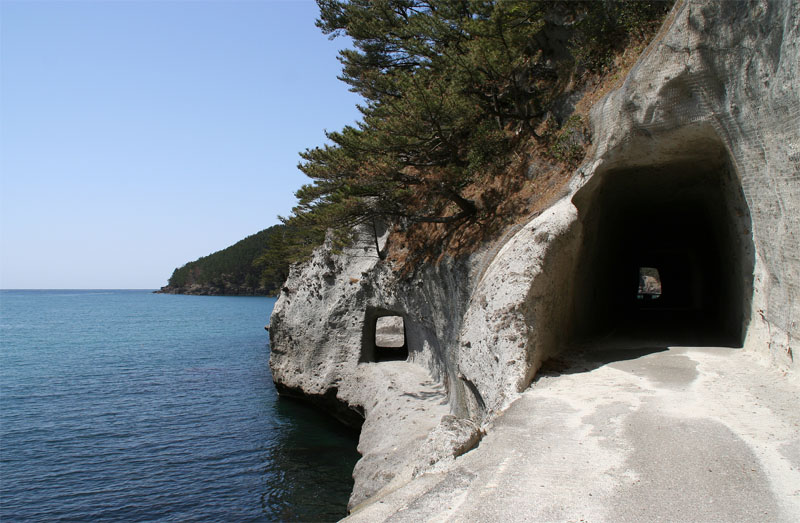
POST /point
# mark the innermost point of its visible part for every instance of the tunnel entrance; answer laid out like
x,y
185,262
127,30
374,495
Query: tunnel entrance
x,y
666,257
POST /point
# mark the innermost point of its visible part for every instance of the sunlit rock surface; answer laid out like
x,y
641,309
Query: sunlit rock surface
x,y
695,171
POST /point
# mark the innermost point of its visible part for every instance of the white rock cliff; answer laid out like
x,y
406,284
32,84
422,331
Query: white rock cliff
x,y
695,169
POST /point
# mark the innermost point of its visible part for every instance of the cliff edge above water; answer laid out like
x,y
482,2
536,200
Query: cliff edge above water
x,y
694,172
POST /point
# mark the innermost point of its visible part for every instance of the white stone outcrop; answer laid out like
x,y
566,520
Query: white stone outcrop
x,y
714,98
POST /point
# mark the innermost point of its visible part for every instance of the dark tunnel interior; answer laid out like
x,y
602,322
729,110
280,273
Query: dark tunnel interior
x,y
665,258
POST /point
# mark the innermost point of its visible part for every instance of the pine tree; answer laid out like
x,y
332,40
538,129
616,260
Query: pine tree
x,y
450,88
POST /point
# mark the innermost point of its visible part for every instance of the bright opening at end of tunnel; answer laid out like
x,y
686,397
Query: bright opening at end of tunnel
x,y
649,284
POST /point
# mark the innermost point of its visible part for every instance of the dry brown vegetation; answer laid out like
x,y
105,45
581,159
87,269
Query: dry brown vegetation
x,y
534,179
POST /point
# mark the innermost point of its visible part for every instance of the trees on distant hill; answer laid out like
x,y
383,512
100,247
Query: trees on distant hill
x,y
253,265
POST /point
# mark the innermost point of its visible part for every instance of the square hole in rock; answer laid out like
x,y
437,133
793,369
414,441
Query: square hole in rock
x,y
390,332
390,338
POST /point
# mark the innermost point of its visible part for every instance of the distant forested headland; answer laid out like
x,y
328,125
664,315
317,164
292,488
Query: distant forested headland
x,y
255,265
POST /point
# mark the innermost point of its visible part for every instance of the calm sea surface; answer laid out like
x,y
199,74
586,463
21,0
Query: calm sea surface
x,y
132,406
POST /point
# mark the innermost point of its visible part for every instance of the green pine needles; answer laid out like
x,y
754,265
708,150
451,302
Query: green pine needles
x,y
451,89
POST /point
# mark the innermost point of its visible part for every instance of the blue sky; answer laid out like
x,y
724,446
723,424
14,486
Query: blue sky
x,y
136,136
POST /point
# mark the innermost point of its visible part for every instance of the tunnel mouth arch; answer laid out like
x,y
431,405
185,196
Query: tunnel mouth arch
x,y
685,220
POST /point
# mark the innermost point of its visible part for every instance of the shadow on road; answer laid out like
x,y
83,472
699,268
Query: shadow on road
x,y
586,360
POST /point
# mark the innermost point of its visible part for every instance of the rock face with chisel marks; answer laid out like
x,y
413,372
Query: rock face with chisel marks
x,y
695,172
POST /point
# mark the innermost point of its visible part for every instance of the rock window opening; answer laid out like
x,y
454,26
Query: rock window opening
x,y
385,339
390,332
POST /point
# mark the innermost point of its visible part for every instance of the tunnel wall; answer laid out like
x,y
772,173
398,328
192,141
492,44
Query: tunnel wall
x,y
715,96
719,81
710,110
731,68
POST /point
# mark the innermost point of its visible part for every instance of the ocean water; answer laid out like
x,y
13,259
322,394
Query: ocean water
x,y
132,406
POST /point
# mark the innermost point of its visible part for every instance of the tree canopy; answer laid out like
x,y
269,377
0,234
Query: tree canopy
x,y
450,89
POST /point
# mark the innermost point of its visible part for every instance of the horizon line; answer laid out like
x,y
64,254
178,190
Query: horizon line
x,y
82,289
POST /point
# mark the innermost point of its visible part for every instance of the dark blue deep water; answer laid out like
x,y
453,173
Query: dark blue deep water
x,y
132,406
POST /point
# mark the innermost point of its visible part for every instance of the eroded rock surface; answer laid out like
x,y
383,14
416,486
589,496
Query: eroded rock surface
x,y
327,348
695,171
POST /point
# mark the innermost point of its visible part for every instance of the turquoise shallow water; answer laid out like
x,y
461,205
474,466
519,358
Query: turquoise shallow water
x,y
132,406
